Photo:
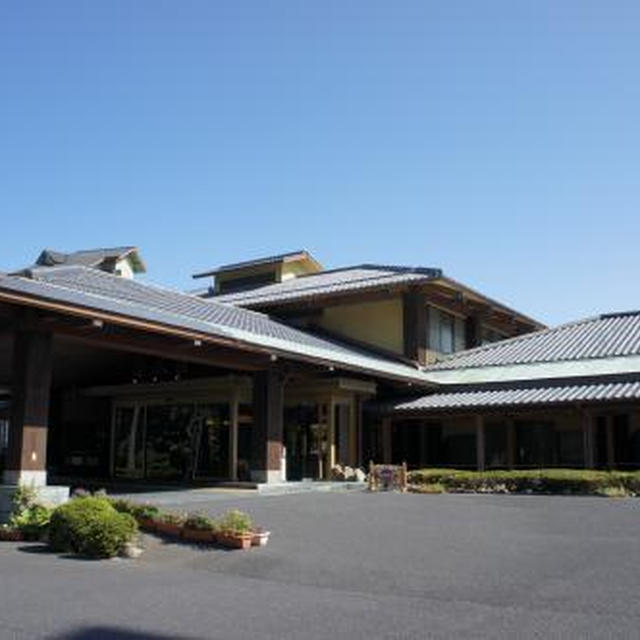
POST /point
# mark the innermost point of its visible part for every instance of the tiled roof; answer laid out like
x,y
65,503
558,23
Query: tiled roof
x,y
357,278
101,291
543,395
282,257
86,258
604,336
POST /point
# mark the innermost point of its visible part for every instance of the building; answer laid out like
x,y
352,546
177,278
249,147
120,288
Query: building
x,y
567,396
279,369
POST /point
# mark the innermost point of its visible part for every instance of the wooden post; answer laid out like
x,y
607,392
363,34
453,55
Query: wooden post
x,y
610,443
353,433
331,439
387,452
233,436
587,439
371,476
268,407
27,451
403,485
511,443
480,448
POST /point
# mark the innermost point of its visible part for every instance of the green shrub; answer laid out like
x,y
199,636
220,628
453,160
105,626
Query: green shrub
x,y
122,505
199,522
564,481
234,521
171,518
32,521
145,512
90,526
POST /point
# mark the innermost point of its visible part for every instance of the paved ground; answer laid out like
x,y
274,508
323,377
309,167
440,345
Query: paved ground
x,y
352,565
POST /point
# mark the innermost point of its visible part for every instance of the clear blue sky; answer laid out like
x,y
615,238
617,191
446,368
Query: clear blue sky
x,y
499,140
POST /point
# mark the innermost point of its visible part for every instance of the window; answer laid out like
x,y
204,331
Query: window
x,y
446,333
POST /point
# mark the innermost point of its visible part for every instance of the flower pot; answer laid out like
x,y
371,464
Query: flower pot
x,y
234,540
169,529
198,535
147,524
260,538
11,535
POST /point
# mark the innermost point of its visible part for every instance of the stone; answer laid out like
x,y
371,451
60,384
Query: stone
x,y
349,474
337,473
360,475
132,551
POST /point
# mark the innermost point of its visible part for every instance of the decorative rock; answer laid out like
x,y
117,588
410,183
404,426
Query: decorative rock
x,y
132,551
360,475
349,474
338,473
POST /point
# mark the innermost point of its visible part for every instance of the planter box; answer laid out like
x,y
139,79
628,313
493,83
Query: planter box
x,y
198,535
260,538
167,529
234,540
10,535
147,524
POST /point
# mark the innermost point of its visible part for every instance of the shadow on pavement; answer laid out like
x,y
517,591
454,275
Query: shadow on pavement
x,y
115,633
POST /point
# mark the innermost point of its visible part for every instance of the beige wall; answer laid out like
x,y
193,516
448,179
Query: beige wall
x,y
377,323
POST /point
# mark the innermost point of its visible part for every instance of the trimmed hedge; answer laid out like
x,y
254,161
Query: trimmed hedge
x,y
90,526
562,481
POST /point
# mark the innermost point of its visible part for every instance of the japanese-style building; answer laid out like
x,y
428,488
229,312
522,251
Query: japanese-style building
x,y
279,369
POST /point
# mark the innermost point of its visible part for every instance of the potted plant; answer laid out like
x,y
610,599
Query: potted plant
x,y
260,537
146,515
198,527
234,530
170,524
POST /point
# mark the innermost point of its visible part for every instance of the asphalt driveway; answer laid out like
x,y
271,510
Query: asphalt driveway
x,y
351,565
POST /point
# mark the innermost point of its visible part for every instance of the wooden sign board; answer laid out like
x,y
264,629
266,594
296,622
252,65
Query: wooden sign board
x,y
388,477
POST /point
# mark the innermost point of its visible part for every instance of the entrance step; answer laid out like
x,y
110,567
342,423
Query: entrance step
x,y
279,488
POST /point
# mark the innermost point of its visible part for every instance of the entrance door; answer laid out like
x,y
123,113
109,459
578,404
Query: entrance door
x,y
128,442
305,440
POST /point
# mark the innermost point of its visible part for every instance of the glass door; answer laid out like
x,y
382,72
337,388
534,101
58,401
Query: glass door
x,y
128,442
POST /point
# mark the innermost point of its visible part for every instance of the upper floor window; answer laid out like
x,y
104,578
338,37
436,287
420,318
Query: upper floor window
x,y
442,331
446,333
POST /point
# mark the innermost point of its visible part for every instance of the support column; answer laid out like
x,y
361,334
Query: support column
x,y
480,448
268,405
233,437
27,452
610,443
331,438
387,452
353,433
588,439
415,325
511,444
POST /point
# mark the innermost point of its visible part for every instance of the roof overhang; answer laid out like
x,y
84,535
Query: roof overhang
x,y
537,371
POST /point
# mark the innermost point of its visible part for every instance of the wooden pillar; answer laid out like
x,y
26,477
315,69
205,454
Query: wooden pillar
x,y
233,436
353,433
480,448
331,439
387,451
415,325
27,452
610,443
588,439
268,406
511,443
